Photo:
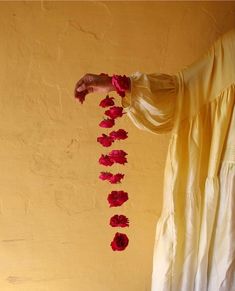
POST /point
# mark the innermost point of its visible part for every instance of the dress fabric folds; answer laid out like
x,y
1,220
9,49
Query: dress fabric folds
x,y
194,247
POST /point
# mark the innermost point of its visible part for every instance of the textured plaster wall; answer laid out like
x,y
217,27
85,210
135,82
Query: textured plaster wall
x,y
54,217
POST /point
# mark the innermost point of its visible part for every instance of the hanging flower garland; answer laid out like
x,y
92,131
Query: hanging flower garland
x,y
115,198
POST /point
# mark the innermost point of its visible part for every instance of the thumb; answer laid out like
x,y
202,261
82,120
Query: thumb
x,y
88,81
81,88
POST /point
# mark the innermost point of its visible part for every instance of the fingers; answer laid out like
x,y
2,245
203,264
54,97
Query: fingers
x,y
81,87
78,85
78,93
84,86
83,83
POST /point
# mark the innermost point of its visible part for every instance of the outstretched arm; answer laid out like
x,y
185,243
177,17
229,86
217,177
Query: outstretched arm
x,y
148,99
90,83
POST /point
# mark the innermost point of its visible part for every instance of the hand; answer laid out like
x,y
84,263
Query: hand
x,y
90,83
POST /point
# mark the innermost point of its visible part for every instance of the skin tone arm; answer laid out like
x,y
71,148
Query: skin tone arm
x,y
90,83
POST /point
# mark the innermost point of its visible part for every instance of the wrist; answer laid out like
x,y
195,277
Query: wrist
x,y
121,84
111,86
118,83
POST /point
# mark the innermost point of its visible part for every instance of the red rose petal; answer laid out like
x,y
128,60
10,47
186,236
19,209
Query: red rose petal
x,y
105,160
106,102
107,123
120,242
117,198
105,140
119,134
105,175
119,221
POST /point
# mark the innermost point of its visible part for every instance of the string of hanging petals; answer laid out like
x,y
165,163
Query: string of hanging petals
x,y
115,198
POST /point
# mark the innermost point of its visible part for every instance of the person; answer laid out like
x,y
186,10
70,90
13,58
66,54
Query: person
x,y
194,246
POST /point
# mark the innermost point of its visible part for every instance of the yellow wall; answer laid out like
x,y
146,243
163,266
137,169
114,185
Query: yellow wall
x,y
54,217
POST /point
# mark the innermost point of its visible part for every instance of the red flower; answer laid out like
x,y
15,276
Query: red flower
x,y
81,95
105,160
113,179
105,175
105,140
118,156
117,198
114,112
106,102
119,220
116,178
121,83
107,123
119,134
120,242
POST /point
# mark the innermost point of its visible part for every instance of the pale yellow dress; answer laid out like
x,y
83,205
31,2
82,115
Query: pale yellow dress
x,y
195,236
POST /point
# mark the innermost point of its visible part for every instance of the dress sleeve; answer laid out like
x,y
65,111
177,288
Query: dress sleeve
x,y
151,102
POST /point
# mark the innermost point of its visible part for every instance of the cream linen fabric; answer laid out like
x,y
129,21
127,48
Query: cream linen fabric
x,y
195,235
